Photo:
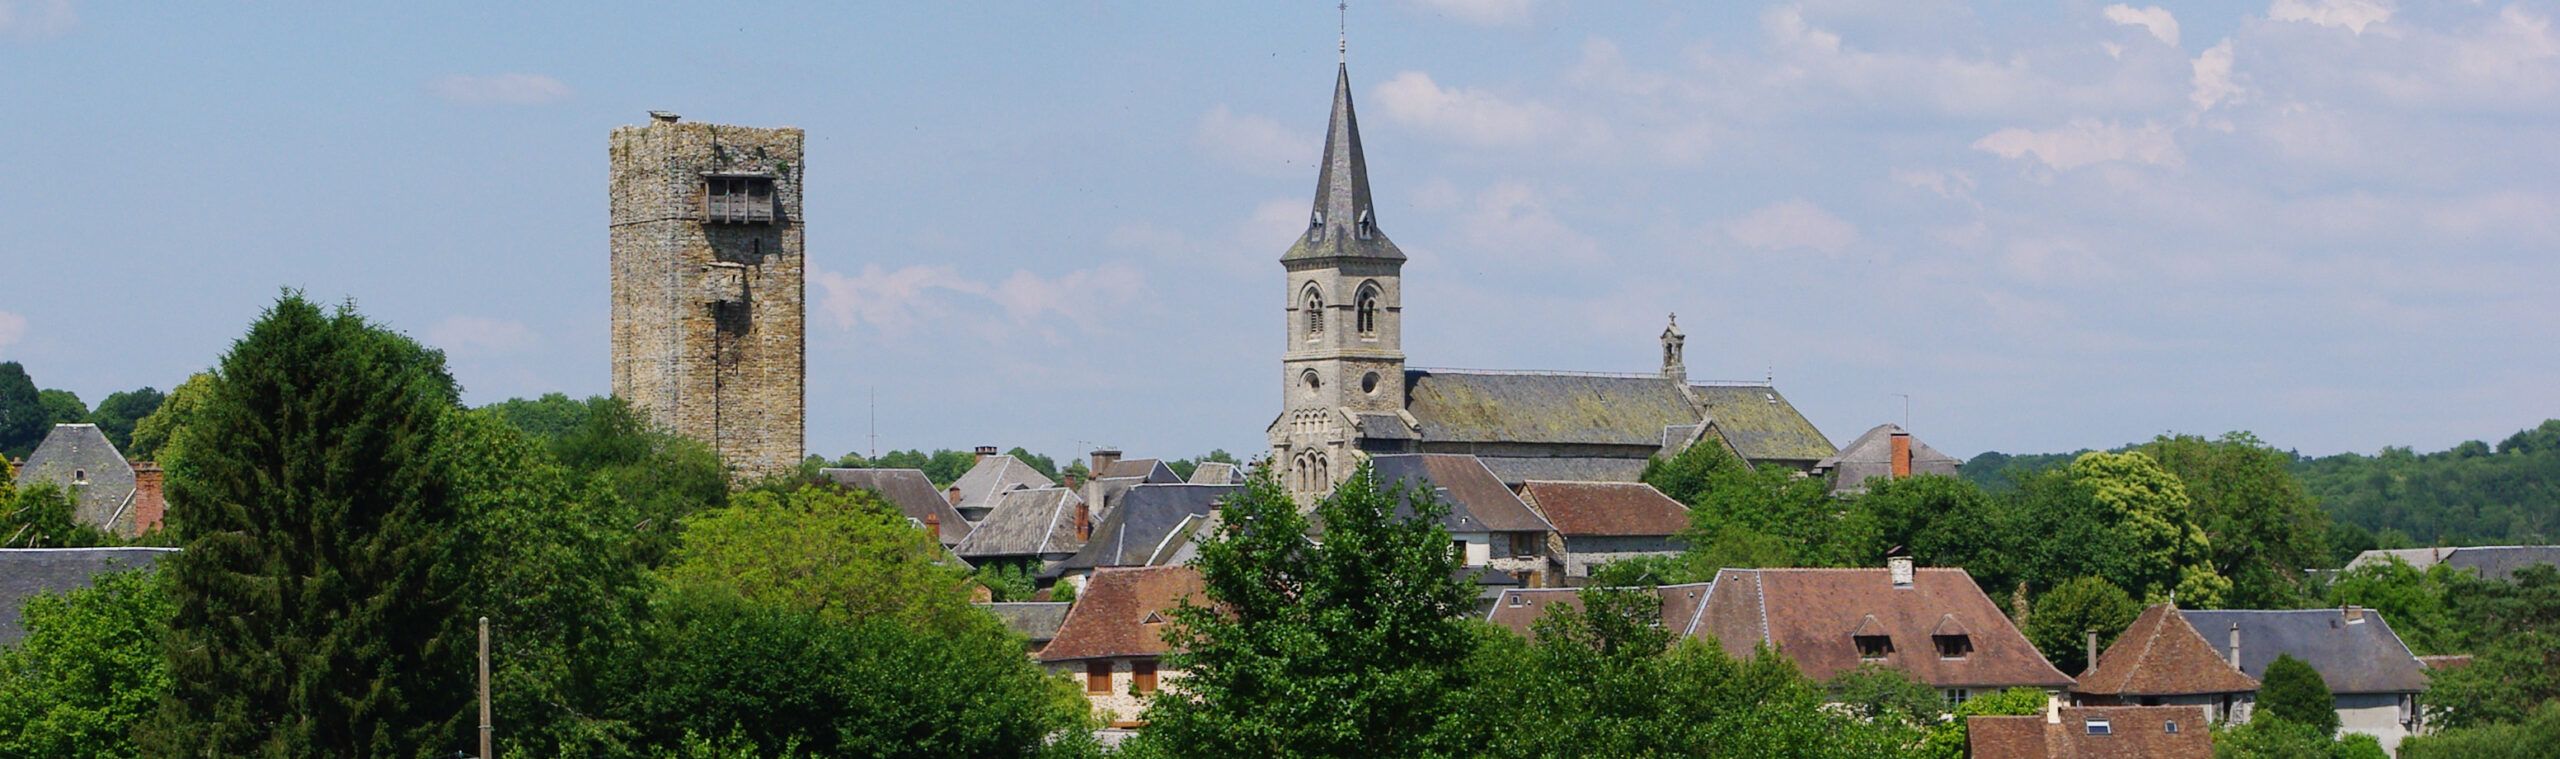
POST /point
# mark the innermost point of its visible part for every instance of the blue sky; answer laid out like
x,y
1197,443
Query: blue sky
x,y
1057,225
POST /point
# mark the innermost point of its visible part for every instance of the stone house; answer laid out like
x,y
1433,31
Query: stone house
x,y
106,491
913,495
2489,562
995,474
1519,609
1028,528
1488,524
1151,526
1112,640
27,572
1932,624
1886,452
1600,522
2163,659
1036,621
2093,732
2374,678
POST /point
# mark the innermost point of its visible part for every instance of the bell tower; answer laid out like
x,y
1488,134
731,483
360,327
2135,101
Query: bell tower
x,y
1343,360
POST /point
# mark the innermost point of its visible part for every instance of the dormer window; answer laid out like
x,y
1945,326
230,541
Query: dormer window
x,y
1953,646
2100,726
1364,227
79,477
1873,647
737,199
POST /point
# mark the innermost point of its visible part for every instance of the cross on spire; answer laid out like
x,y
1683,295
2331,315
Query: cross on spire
x,y
1342,23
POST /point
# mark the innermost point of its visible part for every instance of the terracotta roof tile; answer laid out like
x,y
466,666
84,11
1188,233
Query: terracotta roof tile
x,y
1809,615
2160,654
1606,508
2131,732
1110,617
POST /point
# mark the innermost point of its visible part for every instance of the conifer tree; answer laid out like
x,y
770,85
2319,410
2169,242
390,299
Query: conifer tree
x,y
2293,692
315,600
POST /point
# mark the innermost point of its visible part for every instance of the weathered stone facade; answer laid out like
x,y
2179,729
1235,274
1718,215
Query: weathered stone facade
x,y
708,286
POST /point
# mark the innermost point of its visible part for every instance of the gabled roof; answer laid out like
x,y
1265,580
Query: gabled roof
x,y
1478,501
1761,425
1111,617
911,492
1871,456
1150,471
1456,406
1515,470
2489,562
1037,620
1148,516
1606,508
79,459
1217,473
1519,609
2132,732
2355,653
2160,654
1809,615
25,572
992,477
1038,522
1343,223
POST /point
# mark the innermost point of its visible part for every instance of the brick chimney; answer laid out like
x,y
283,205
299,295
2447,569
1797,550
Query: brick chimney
x,y
984,452
1071,479
150,501
933,525
1103,458
2353,613
1901,454
952,495
1084,520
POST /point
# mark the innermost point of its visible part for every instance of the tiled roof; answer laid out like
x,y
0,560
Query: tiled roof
x,y
1217,473
2132,732
1147,517
1810,614
992,477
1519,609
1037,620
2160,654
1150,471
2358,654
911,492
25,572
79,459
1518,469
1478,501
1039,522
1123,611
1761,425
1871,456
2490,562
1545,407
1606,508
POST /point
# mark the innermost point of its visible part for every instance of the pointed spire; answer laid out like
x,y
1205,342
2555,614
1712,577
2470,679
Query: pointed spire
x,y
1343,224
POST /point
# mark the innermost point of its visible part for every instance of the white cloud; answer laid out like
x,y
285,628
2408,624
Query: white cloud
x,y
892,302
905,301
499,89
1511,219
12,328
1952,185
482,336
2355,15
1254,143
1474,117
2086,141
2154,18
1481,12
2213,82
1793,224
36,19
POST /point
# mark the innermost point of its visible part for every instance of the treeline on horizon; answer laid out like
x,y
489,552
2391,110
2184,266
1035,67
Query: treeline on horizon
x,y
2474,493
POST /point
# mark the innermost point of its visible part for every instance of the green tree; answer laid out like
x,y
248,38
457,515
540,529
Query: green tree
x,y
551,417
659,477
1363,622
841,554
1740,516
2262,528
2065,615
2531,739
316,598
1008,580
2293,692
116,415
40,516
23,420
154,430
1943,522
2117,516
2513,629
1952,740
88,670
1878,693
61,407
2412,600
2279,739
1184,467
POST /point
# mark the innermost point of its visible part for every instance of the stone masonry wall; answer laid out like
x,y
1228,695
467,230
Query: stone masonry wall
x,y
708,318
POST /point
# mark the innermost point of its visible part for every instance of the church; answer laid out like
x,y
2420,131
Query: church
x,y
1346,392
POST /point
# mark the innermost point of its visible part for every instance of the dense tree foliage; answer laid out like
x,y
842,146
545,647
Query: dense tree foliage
x,y
1745,517
2262,528
23,421
2411,600
156,429
844,555
2292,691
2471,494
2279,739
945,465
40,515
2513,632
61,407
2064,617
119,412
2533,738
88,670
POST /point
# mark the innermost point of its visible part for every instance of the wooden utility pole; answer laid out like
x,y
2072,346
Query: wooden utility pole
x,y
485,727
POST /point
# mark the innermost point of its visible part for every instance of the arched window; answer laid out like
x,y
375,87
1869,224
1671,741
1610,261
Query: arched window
x,y
1315,312
1368,309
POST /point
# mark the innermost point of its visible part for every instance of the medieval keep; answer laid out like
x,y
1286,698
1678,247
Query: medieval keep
x,y
1346,392
708,283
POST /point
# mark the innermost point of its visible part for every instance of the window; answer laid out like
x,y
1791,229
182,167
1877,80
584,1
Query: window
x,y
1142,676
1368,310
1874,646
737,199
2170,727
1315,313
1369,383
2099,726
1957,696
1953,646
79,477
1097,677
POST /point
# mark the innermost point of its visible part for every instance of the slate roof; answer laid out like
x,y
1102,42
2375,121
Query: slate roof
x,y
1478,501
1871,456
1761,425
1123,611
1037,620
1545,407
1150,471
1037,522
1606,508
2361,655
992,477
1515,470
25,572
1810,614
911,492
1342,223
2160,654
2133,732
1519,610
1217,473
2489,562
79,459
1149,516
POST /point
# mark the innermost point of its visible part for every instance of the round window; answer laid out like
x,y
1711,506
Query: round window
x,y
1310,380
1369,383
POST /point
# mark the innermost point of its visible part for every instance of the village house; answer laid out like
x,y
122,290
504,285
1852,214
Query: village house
x,y
106,491
2489,562
1028,528
1152,526
2163,659
2093,732
1519,609
913,495
1932,624
1886,452
1489,526
1112,640
995,474
27,572
1600,522
2373,677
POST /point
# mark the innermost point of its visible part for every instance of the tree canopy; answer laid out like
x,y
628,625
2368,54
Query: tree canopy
x,y
2293,692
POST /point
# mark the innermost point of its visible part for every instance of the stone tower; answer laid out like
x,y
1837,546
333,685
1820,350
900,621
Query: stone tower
x,y
1343,366
707,285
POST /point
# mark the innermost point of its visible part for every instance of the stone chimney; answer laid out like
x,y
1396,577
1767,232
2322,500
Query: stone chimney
x,y
2235,645
952,495
984,452
1898,564
2353,613
150,501
1084,520
1103,458
2092,666
933,526
1901,454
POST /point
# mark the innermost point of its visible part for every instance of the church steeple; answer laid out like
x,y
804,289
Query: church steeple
x,y
1343,222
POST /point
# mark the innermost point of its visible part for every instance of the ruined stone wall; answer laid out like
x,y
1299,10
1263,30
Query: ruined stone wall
x,y
707,315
